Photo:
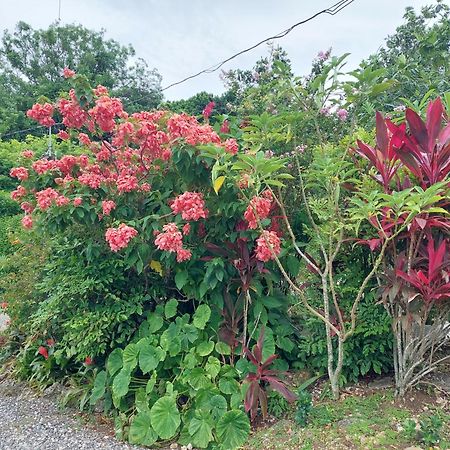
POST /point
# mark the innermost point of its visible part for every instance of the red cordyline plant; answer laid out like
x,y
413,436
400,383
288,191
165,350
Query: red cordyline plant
x,y
413,159
261,378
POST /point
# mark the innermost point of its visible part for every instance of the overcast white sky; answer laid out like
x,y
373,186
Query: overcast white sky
x,y
181,37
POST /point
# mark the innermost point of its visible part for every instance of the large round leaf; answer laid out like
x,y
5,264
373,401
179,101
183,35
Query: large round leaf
x,y
201,316
114,363
141,431
200,428
121,383
233,429
165,417
170,308
218,406
99,388
155,322
205,348
130,355
212,367
228,385
197,378
149,358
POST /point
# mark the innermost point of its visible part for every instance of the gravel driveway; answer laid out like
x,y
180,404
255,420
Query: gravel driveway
x,y
28,422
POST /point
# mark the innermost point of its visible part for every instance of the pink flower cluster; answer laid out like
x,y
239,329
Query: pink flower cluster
x,y
231,146
342,114
46,197
127,183
104,112
42,114
73,115
63,135
43,165
259,205
108,206
171,240
187,127
120,237
27,207
267,244
207,111
27,221
21,173
28,154
18,193
225,127
68,73
190,205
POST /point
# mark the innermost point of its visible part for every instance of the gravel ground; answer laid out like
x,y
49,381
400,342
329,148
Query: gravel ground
x,y
3,321
28,422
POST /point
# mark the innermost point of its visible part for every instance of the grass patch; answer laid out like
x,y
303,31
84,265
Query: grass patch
x,y
367,422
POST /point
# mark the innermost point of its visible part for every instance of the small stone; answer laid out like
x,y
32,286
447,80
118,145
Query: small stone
x,y
174,445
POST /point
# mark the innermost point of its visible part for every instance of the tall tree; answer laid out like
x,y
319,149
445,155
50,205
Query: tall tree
x,y
417,55
31,63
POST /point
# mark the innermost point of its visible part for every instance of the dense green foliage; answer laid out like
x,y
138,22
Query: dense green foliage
x,y
160,339
32,61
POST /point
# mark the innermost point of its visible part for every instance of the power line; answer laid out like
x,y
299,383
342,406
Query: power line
x,y
332,10
12,133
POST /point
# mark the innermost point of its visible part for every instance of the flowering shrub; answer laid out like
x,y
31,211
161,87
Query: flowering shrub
x,y
142,199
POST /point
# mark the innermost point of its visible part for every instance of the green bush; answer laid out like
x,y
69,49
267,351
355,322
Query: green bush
x,y
9,226
8,207
171,377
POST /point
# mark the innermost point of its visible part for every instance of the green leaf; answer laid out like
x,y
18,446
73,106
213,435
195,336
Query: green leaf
x,y
181,279
149,358
141,400
121,383
141,432
205,348
155,322
218,406
170,342
212,367
165,417
233,429
130,356
201,316
170,308
151,383
200,428
268,344
228,385
98,391
223,348
114,363
197,378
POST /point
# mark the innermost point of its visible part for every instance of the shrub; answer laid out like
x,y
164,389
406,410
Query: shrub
x,y
171,377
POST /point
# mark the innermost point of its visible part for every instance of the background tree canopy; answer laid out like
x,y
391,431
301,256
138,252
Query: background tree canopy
x,y
31,63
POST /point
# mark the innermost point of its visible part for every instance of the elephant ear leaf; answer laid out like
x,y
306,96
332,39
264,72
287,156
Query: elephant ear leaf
x,y
141,432
233,429
165,417
200,428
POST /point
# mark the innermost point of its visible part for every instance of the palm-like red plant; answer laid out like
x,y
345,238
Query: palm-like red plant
x,y
425,151
384,157
430,278
260,378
